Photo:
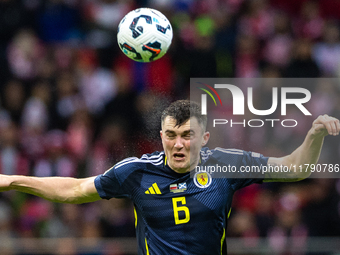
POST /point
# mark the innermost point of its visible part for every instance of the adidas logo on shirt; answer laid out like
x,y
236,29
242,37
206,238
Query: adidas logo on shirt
x,y
153,189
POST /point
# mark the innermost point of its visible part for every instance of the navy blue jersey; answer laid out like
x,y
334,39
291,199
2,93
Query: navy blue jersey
x,y
178,214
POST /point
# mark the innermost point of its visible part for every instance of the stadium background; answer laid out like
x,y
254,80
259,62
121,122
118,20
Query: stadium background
x,y
72,105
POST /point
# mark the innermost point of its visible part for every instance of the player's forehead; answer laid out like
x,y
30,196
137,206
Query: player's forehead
x,y
169,123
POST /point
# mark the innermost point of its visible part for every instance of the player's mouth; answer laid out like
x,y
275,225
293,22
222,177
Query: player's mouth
x,y
178,156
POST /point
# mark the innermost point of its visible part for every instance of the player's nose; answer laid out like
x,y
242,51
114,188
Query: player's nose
x,y
179,143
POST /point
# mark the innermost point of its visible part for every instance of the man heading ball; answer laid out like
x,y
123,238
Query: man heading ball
x,y
178,214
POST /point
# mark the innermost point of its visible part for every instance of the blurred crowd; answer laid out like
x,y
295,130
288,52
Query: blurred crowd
x,y
71,104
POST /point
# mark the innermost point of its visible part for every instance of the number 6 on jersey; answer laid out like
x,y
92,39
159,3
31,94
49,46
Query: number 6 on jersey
x,y
182,208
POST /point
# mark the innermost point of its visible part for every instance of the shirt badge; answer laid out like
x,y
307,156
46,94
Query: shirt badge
x,y
180,187
202,179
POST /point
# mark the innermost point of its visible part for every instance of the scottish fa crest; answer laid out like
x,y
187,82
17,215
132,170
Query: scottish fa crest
x,y
202,179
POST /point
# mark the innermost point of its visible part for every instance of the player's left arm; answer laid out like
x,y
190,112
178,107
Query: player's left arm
x,y
307,153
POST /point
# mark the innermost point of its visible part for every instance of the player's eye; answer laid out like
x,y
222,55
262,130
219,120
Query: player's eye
x,y
188,135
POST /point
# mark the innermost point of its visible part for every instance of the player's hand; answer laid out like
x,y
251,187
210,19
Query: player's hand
x,y
326,125
5,182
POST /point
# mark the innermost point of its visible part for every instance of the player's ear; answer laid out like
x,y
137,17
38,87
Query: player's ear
x,y
206,137
160,132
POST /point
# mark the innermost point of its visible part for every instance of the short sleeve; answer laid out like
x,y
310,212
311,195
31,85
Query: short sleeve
x,y
251,165
115,182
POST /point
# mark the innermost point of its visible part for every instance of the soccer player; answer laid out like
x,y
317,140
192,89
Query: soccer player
x,y
177,214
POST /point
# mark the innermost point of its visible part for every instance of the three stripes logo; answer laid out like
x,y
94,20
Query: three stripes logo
x,y
153,190
204,97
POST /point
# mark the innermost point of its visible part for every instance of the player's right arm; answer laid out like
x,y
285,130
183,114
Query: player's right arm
x,y
55,189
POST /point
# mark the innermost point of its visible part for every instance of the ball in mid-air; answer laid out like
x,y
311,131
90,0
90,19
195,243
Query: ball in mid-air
x,y
144,35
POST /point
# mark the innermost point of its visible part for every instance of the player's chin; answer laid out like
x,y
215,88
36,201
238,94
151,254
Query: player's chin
x,y
180,166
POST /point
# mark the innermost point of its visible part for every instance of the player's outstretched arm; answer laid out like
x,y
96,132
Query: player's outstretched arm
x,y
307,153
55,189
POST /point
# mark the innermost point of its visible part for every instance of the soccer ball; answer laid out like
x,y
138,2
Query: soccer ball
x,y
144,35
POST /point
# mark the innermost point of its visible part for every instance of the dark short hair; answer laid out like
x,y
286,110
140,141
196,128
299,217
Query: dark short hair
x,y
183,110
